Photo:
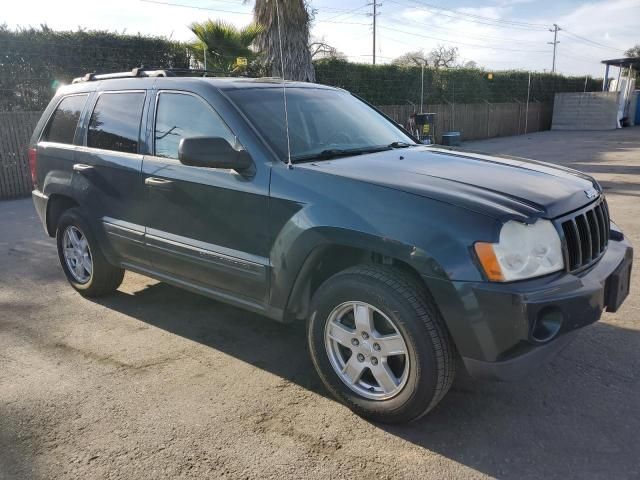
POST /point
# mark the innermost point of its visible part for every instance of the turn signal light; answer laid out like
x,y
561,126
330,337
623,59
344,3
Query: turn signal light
x,y
489,262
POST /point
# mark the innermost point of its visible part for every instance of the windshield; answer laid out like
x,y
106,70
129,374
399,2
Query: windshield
x,y
321,122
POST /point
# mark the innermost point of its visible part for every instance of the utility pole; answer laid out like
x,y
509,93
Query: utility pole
x,y
374,14
555,42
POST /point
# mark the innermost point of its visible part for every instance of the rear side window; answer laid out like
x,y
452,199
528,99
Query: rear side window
x,y
62,125
180,116
115,122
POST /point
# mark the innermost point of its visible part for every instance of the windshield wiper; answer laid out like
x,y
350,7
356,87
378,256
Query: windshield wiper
x,y
339,152
401,145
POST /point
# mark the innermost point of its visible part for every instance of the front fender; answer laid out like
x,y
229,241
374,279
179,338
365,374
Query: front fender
x,y
319,210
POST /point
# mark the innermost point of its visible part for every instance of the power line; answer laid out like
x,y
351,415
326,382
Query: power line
x,y
481,17
182,5
592,42
347,11
439,27
457,15
462,43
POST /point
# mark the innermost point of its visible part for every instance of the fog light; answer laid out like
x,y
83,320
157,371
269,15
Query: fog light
x,y
547,324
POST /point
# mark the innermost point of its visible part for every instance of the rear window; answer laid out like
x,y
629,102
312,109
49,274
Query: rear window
x,y
62,125
115,122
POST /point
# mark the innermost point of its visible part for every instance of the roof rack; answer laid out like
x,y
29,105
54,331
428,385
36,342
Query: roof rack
x,y
143,72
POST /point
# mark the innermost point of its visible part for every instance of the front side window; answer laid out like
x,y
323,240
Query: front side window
x,y
181,116
115,122
64,121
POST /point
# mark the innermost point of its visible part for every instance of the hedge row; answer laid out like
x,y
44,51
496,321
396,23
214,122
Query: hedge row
x,y
33,62
395,85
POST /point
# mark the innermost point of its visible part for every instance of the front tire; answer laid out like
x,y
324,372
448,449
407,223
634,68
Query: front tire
x,y
379,344
83,263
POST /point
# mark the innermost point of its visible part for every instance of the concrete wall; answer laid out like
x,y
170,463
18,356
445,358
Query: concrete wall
x,y
585,111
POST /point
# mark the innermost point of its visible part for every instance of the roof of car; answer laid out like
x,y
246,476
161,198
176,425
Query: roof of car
x,y
182,78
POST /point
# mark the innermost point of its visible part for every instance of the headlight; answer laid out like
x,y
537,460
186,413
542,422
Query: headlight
x,y
524,251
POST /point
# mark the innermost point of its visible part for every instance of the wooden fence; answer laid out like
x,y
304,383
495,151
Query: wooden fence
x,y
15,130
477,121
474,121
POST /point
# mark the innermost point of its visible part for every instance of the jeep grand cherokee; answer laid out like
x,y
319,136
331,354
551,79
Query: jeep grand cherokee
x,y
400,257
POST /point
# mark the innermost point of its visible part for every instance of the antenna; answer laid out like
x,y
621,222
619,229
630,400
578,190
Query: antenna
x,y
284,89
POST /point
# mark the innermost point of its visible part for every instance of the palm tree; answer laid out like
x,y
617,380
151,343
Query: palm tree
x,y
224,43
294,34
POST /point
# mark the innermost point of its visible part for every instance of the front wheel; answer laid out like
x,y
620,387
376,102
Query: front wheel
x,y
379,345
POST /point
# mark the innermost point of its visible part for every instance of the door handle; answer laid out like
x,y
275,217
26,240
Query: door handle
x,y
82,168
160,183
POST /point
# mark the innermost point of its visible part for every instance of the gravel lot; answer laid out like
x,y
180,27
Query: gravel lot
x,y
155,382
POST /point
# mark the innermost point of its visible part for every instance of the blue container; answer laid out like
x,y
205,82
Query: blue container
x,y
451,138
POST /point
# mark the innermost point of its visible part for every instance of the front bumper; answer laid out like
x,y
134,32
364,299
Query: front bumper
x,y
504,330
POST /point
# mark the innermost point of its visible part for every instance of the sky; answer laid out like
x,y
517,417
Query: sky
x,y
496,34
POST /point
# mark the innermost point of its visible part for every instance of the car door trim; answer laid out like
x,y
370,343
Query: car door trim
x,y
208,291
207,253
125,230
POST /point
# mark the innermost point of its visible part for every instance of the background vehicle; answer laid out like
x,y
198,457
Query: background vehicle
x,y
400,256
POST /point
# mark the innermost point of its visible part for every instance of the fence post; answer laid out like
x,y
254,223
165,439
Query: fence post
x,y
526,120
519,113
488,116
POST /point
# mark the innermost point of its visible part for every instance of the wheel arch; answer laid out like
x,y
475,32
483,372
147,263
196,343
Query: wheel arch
x,y
327,259
57,204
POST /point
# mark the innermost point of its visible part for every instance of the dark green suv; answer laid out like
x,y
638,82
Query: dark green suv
x,y
400,257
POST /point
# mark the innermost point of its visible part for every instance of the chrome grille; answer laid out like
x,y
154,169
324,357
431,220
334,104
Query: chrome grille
x,y
586,235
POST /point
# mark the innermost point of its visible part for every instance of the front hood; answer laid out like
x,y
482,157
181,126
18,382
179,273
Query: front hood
x,y
499,186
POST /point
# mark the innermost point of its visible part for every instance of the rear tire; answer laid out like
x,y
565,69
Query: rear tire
x,y
396,304
83,263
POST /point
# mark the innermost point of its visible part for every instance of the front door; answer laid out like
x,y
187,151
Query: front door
x,y
206,227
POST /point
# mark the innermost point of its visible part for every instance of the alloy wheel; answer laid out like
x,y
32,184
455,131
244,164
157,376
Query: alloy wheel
x,y
77,254
366,350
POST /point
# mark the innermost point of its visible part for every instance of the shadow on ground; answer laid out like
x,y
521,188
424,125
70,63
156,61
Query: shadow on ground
x,y
577,416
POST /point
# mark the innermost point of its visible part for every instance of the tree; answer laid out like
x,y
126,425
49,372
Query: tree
x,y
321,50
443,57
411,59
633,51
224,43
293,33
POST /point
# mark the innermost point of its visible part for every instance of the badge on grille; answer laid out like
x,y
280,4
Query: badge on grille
x,y
591,193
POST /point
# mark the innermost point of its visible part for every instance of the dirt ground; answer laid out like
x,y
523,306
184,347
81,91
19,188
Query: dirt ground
x,y
155,382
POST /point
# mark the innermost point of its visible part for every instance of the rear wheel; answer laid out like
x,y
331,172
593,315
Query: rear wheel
x,y
81,258
379,345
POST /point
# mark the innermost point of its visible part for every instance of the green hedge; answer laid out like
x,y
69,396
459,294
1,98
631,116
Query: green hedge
x,y
33,62
394,85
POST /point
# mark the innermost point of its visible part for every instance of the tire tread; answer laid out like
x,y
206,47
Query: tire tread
x,y
411,289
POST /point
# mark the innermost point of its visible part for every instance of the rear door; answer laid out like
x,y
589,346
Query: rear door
x,y
108,170
56,149
205,226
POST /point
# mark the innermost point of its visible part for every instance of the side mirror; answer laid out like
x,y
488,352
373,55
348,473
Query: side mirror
x,y
212,152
